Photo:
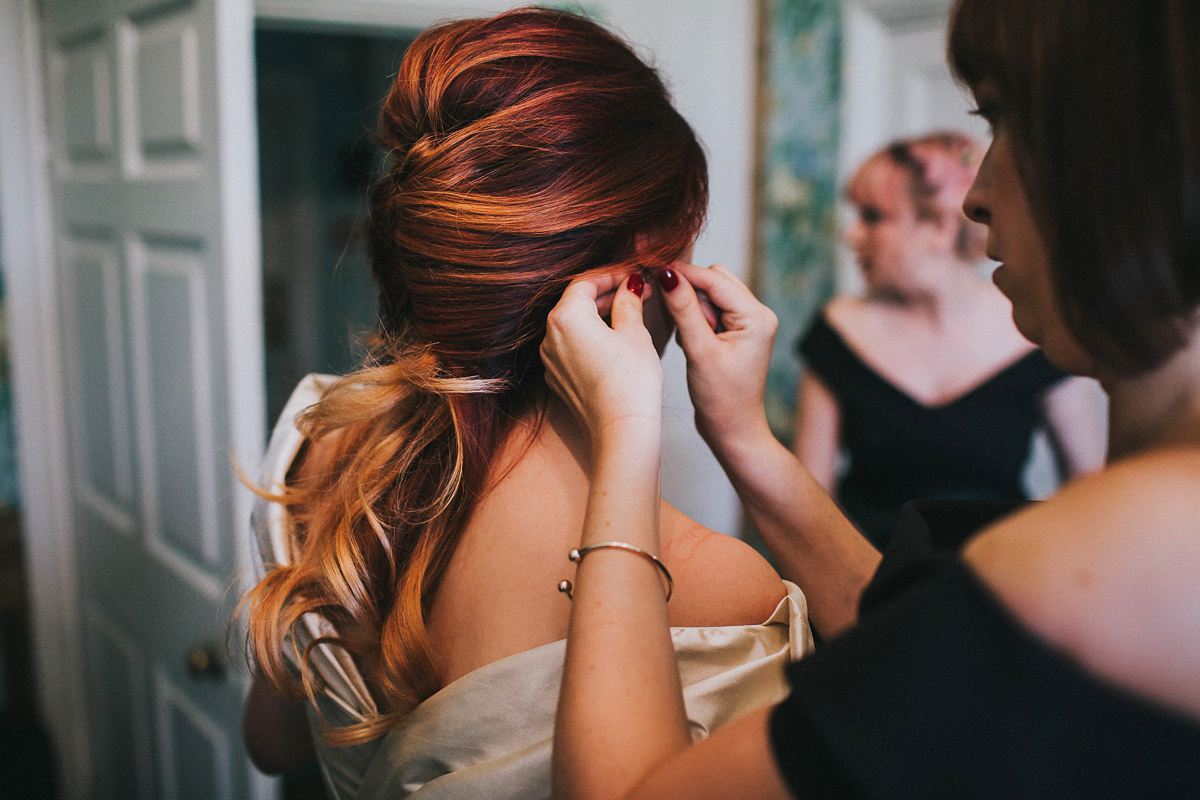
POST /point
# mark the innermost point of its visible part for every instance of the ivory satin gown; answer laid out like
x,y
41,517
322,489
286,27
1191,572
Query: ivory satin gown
x,y
488,734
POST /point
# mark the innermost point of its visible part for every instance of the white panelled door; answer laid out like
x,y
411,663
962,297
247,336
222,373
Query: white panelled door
x,y
148,194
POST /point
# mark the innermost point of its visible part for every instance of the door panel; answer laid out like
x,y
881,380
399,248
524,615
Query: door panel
x,y
72,19
88,103
120,719
135,120
170,346
104,463
163,96
196,752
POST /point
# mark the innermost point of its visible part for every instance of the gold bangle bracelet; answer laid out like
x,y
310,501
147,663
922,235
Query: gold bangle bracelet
x,y
577,555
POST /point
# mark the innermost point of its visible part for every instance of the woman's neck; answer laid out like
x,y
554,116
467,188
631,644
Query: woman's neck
x,y
955,295
1159,409
548,424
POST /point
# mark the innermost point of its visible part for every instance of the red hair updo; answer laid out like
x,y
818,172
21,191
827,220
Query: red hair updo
x,y
524,149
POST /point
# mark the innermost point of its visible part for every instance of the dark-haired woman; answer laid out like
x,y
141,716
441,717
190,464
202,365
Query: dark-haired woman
x,y
1057,653
921,381
415,512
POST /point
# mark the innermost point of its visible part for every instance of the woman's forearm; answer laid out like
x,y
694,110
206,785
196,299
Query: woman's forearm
x,y
810,539
620,710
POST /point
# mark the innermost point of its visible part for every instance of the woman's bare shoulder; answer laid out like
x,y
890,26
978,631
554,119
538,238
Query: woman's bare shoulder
x,y
719,579
1105,571
849,312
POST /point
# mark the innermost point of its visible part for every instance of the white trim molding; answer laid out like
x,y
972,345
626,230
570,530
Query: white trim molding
x,y
371,15
34,330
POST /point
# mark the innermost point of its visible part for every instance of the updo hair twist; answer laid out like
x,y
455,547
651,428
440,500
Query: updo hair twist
x,y
941,166
523,150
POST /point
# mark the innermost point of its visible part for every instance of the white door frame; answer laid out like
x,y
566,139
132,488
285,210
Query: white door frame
x,y
35,348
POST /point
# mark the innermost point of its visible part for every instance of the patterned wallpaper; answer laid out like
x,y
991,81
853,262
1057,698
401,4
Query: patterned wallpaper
x,y
798,189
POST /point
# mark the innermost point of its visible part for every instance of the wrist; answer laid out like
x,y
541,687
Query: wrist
x,y
628,434
625,492
729,435
628,454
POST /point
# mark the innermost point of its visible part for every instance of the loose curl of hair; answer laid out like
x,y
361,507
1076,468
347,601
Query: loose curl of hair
x,y
523,150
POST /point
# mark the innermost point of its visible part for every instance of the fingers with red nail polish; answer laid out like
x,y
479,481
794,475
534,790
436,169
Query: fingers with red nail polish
x,y
636,283
668,279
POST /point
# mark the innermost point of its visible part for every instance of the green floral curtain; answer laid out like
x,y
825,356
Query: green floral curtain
x,y
10,495
798,189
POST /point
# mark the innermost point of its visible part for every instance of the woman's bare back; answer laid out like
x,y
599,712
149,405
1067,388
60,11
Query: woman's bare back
x,y
499,595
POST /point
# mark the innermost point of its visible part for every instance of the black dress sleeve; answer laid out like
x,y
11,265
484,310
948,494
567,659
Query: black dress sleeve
x,y
1037,371
823,351
940,692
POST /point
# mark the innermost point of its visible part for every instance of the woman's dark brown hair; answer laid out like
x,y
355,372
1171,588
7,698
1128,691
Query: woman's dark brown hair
x,y
1102,100
523,150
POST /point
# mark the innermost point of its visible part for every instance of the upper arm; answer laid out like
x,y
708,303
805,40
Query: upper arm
x,y
1075,417
817,433
719,579
1104,572
275,730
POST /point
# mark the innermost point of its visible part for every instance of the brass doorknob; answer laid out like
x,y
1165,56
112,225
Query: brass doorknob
x,y
204,662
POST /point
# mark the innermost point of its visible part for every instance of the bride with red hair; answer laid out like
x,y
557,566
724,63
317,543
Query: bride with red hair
x,y
415,514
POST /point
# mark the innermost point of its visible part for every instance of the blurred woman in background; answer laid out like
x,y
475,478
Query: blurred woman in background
x,y
922,382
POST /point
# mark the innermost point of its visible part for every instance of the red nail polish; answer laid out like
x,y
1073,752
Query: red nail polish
x,y
636,282
668,279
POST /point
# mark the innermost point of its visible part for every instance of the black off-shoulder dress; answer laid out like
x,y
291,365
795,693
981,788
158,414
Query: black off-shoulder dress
x,y
940,693
975,446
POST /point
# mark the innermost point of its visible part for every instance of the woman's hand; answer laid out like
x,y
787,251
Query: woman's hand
x,y
812,542
607,376
726,334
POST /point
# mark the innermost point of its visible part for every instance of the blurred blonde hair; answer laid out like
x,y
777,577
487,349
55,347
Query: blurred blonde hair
x,y
940,167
